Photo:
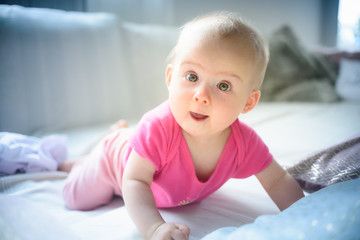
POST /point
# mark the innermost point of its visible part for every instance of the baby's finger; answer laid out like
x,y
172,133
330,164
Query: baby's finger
x,y
177,234
185,229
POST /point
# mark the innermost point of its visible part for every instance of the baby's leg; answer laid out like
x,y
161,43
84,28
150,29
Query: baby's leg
x,y
94,177
89,183
69,163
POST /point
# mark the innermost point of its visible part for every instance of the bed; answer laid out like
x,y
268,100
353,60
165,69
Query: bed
x,y
300,117
26,197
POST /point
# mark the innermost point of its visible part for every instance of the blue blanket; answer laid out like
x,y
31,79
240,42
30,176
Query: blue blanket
x,y
330,213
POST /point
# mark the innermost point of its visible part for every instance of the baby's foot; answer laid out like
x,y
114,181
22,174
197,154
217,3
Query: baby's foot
x,y
119,124
66,166
69,163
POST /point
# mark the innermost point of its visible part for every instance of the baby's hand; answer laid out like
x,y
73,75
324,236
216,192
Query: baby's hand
x,y
171,231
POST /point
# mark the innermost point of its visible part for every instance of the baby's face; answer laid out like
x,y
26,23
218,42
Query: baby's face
x,y
209,83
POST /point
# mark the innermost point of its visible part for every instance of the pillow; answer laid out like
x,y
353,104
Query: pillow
x,y
60,69
331,213
335,164
292,71
348,81
148,46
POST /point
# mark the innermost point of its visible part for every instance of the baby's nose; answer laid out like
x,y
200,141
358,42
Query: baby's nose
x,y
202,95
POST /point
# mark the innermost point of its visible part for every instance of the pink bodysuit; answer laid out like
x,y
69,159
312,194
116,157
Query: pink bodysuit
x,y
159,139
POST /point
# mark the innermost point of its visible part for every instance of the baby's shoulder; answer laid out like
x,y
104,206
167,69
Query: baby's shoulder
x,y
158,122
160,113
242,129
244,135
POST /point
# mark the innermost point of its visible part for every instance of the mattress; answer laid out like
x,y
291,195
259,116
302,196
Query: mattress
x,y
291,130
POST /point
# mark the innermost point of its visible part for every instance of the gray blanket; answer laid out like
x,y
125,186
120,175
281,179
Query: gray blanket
x,y
337,163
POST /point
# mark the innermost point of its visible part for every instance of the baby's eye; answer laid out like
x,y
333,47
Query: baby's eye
x,y
192,77
224,86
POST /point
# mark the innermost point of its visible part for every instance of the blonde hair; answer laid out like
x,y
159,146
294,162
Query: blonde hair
x,y
224,25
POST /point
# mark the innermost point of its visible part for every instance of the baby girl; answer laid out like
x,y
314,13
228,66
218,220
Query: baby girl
x,y
190,145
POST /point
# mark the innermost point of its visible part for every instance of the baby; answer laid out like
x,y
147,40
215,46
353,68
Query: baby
x,y
189,146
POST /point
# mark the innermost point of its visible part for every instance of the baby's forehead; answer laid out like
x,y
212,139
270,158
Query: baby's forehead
x,y
202,28
208,36
224,30
216,30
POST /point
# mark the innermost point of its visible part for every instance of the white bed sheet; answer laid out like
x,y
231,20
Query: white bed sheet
x,y
291,130
37,197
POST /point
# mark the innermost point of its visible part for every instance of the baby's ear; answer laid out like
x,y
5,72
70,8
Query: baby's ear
x,y
252,101
168,74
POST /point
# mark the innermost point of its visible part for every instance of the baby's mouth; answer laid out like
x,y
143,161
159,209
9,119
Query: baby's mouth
x,y
198,116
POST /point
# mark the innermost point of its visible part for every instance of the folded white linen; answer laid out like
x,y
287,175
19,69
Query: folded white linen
x,y
25,154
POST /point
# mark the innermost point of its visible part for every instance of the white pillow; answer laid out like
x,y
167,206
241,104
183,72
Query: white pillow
x,y
348,82
147,47
60,69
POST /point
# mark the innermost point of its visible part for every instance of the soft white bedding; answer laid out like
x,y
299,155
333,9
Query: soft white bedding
x,y
294,130
291,130
31,205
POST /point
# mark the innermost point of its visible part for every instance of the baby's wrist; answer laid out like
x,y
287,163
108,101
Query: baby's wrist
x,y
152,230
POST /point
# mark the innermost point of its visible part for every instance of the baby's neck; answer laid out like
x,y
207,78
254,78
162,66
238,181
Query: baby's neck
x,y
206,152
208,140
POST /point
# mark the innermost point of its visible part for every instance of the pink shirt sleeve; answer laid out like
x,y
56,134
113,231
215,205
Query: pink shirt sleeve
x,y
255,154
151,138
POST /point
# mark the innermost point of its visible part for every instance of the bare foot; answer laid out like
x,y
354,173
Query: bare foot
x,y
66,166
69,163
119,124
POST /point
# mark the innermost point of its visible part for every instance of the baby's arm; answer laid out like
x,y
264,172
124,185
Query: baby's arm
x,y
139,201
281,186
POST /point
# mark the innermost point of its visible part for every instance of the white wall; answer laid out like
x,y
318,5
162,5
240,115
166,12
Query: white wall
x,y
302,16
305,16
